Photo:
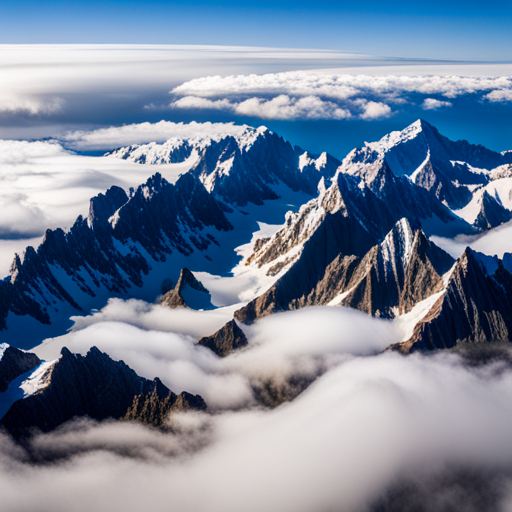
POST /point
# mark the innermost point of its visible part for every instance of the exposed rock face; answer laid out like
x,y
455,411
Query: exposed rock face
x,y
336,235
241,169
188,292
475,308
388,280
93,385
13,363
403,270
225,340
443,167
492,213
111,251
376,200
153,408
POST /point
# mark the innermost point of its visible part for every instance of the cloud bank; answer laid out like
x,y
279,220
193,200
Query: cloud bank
x,y
384,430
140,133
309,95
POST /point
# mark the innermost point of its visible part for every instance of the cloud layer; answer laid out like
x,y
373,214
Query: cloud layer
x,y
140,133
362,429
384,429
309,95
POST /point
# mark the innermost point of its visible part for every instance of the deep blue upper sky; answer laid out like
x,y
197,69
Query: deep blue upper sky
x,y
429,29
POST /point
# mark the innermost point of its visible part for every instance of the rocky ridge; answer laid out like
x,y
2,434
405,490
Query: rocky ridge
x,y
227,339
188,292
95,386
13,363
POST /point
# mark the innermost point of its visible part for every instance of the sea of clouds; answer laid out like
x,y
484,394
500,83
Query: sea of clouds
x,y
374,431
371,430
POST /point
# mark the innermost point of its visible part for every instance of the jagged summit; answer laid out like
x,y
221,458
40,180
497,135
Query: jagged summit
x,y
474,308
93,385
385,280
244,168
492,213
188,292
449,170
225,340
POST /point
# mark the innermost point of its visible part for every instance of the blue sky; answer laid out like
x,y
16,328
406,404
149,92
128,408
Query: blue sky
x,y
471,30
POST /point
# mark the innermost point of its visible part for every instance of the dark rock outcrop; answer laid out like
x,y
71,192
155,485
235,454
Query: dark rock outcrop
x,y
153,408
188,292
492,213
388,280
13,363
110,252
93,385
225,340
403,270
475,308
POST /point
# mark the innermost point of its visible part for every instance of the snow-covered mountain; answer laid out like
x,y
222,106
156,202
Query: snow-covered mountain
x,y
240,169
129,245
359,237
451,171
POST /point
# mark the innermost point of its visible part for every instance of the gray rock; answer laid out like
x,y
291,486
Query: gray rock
x,y
225,340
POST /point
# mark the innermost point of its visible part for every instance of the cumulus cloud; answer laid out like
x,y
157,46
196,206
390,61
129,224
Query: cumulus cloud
x,y
497,241
433,104
281,107
158,342
43,185
310,95
139,133
501,95
373,109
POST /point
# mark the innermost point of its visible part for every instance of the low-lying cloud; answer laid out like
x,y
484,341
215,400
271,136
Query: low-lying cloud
x,y
308,95
387,430
158,342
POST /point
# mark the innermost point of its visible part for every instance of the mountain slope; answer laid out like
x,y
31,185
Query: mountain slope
x,y
95,386
112,252
248,168
474,308
449,170
13,363
384,280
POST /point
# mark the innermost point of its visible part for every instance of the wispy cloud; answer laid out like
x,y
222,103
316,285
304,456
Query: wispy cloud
x,y
16,103
140,133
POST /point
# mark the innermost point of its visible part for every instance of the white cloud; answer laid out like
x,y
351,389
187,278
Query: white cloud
x,y
29,105
366,425
280,107
374,110
310,95
433,104
156,341
139,133
501,95
44,186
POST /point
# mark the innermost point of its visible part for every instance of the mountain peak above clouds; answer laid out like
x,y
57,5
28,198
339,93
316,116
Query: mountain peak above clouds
x,y
449,170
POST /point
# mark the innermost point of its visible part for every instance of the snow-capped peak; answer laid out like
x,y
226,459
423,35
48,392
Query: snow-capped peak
x,y
398,243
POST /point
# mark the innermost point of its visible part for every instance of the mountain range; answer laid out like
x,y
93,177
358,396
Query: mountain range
x,y
358,234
